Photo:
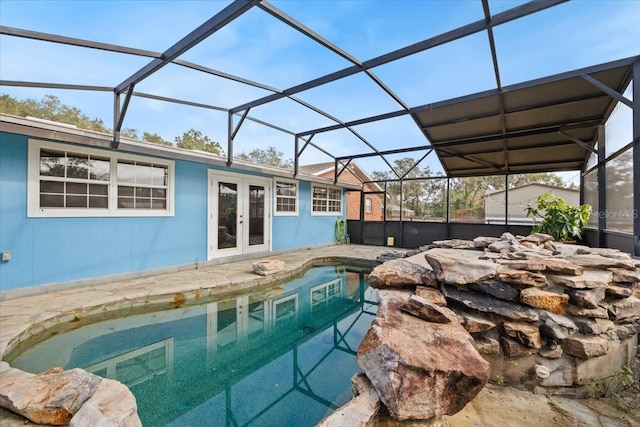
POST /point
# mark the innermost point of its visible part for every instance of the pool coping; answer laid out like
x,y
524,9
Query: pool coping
x,y
27,320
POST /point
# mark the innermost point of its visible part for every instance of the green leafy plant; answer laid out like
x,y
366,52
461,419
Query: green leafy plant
x,y
557,217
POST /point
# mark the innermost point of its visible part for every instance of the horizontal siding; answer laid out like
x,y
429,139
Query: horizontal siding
x,y
53,250
304,230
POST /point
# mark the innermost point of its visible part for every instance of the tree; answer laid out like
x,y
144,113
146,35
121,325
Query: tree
x,y
426,197
518,180
50,108
468,193
195,140
421,196
268,157
155,139
129,133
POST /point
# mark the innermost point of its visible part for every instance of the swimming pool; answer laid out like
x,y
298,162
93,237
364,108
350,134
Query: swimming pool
x,y
280,356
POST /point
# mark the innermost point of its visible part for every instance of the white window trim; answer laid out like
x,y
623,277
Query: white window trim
x,y
33,184
327,298
274,309
326,213
275,197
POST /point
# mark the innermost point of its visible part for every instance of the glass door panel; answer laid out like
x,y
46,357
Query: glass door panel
x,y
238,215
256,215
227,215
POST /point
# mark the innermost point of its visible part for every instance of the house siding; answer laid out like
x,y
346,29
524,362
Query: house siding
x,y
519,197
53,250
289,231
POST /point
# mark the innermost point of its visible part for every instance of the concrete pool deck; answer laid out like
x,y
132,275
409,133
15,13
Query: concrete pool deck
x,y
28,319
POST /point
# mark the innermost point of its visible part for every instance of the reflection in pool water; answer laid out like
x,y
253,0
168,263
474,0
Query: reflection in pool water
x,y
282,356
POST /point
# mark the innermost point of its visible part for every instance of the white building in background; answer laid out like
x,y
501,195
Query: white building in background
x,y
519,197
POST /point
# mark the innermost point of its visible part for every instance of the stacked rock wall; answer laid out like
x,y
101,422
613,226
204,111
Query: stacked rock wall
x,y
544,315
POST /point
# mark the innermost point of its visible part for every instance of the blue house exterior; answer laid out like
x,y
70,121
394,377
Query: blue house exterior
x,y
71,208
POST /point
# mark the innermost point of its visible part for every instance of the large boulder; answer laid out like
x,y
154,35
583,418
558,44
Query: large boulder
x,y
75,397
52,397
111,405
420,369
400,273
460,267
268,267
538,238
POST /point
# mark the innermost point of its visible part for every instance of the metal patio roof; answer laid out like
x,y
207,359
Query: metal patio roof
x,y
548,124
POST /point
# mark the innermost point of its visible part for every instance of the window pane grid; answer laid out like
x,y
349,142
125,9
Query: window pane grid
x,y
286,205
61,194
71,180
286,197
66,165
141,198
326,200
148,189
83,181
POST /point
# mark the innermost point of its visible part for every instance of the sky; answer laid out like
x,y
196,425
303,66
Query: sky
x,y
258,47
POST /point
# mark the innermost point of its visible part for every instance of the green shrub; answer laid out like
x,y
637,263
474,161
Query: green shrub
x,y
559,219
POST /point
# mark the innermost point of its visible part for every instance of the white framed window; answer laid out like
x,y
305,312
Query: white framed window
x,y
326,200
142,185
322,295
286,195
367,205
285,310
70,181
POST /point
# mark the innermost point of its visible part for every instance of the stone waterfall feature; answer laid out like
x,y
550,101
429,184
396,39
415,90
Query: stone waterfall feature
x,y
520,310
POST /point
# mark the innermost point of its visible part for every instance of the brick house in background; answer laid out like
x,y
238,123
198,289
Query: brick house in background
x,y
373,203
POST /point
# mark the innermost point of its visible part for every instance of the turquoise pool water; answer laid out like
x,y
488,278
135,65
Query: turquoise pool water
x,y
278,357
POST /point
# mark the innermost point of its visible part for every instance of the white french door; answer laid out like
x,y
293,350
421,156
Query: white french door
x,y
239,214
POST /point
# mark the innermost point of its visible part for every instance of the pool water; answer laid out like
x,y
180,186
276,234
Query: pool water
x,y
278,357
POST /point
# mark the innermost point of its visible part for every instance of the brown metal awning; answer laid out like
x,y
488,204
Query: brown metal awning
x,y
548,124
